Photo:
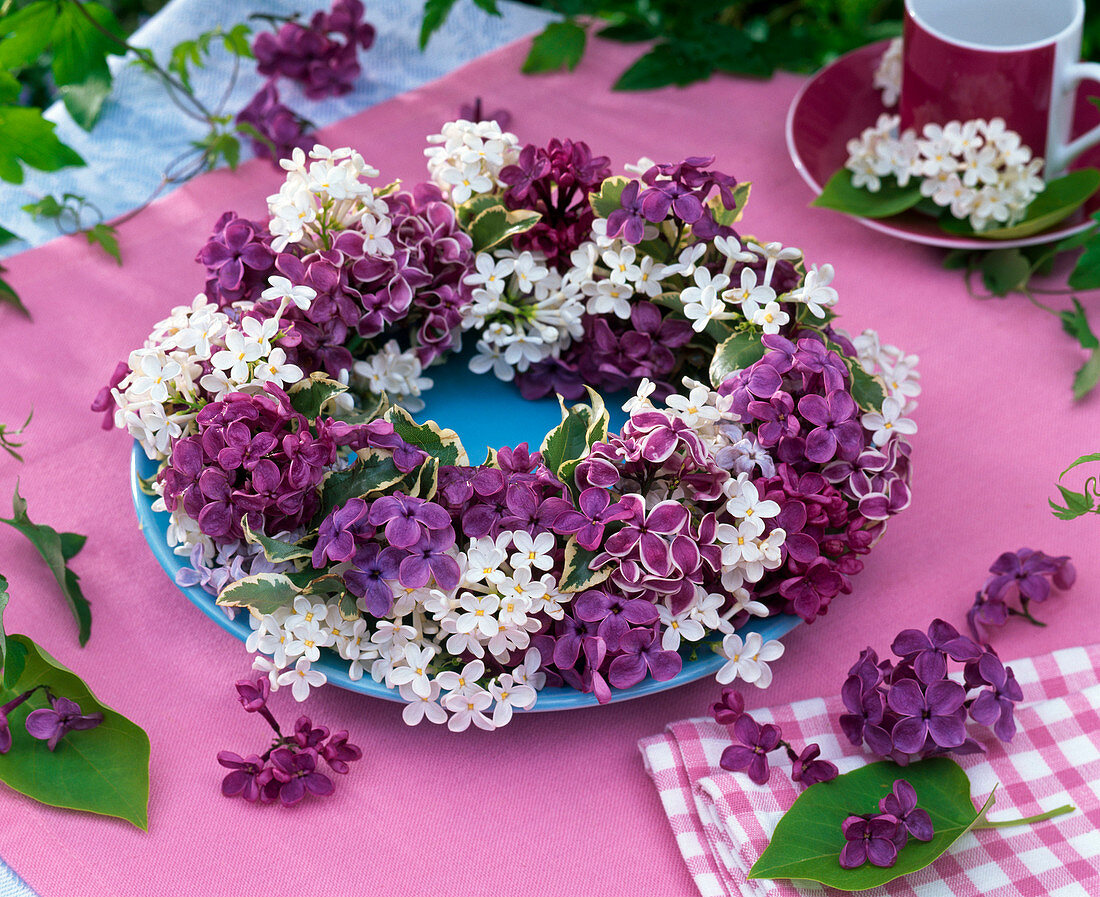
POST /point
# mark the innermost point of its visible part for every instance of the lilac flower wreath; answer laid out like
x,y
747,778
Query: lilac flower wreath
x,y
764,452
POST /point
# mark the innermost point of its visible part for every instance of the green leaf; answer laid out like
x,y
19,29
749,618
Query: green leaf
x,y
729,217
807,841
1004,270
1077,504
53,546
29,138
474,206
496,224
737,353
85,100
3,604
436,441
26,34
1084,459
372,472
577,575
869,391
560,45
435,14
1060,199
220,145
104,236
47,207
80,48
489,6
839,194
1086,273
264,593
310,396
9,296
609,197
9,88
569,439
665,64
104,770
235,40
15,660
1076,324
1087,376
274,550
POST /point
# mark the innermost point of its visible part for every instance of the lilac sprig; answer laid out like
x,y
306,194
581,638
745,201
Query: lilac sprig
x,y
49,724
1018,578
910,709
288,770
879,837
755,742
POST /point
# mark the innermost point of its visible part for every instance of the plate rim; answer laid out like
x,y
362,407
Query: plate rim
x,y
151,523
946,241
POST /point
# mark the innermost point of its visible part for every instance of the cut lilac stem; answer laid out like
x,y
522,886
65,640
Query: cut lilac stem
x,y
1028,820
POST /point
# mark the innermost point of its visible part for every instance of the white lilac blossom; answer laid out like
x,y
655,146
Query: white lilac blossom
x,y
396,374
467,157
978,170
887,77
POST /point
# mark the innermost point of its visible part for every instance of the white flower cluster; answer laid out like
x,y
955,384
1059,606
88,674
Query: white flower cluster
x,y
713,297
397,374
898,371
324,191
978,169
526,311
468,158
158,399
887,76
490,615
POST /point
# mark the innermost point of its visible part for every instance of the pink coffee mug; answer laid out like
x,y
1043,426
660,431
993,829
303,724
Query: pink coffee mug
x,y
1013,59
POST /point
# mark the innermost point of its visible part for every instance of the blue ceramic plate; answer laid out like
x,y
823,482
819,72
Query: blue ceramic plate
x,y
484,412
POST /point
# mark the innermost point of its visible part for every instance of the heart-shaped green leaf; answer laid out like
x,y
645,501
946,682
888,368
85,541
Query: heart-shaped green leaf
x,y
103,770
264,593
736,353
890,199
437,441
577,574
310,396
807,842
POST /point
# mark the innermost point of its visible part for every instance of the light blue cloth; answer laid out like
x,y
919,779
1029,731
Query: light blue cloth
x,y
140,133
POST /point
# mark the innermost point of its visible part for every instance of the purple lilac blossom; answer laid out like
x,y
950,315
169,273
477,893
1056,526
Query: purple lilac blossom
x,y
50,724
279,129
901,803
751,753
807,769
872,838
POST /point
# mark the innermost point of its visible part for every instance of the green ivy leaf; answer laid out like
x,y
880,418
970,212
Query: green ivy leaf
x,y
264,593
9,87
667,63
869,391
85,100
8,295
80,49
1076,323
840,195
1060,199
1086,273
1077,504
609,197
736,353
1084,459
310,396
435,14
475,205
26,34
56,548
30,139
559,45
105,237
235,40
807,842
1087,376
219,145
577,574
274,550
3,604
435,440
104,770
496,224
1004,270
371,473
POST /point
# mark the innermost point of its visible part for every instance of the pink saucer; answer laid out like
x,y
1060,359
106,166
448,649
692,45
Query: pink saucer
x,y
838,102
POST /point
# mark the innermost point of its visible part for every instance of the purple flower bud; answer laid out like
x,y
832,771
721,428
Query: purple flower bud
x,y
253,693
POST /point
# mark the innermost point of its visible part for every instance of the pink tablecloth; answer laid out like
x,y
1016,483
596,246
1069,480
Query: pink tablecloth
x,y
553,804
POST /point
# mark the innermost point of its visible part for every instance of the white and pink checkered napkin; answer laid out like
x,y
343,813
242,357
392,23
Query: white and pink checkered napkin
x,y
722,820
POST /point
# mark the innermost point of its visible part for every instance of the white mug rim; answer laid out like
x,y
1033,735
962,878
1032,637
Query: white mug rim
x,y
1053,40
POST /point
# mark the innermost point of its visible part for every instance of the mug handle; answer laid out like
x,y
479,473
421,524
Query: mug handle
x,y
1064,154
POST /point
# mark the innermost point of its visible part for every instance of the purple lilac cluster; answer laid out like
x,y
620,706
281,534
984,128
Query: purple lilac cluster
x,y
910,709
360,295
836,490
678,189
323,57
878,837
753,743
254,456
555,181
613,355
1017,579
48,724
289,769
